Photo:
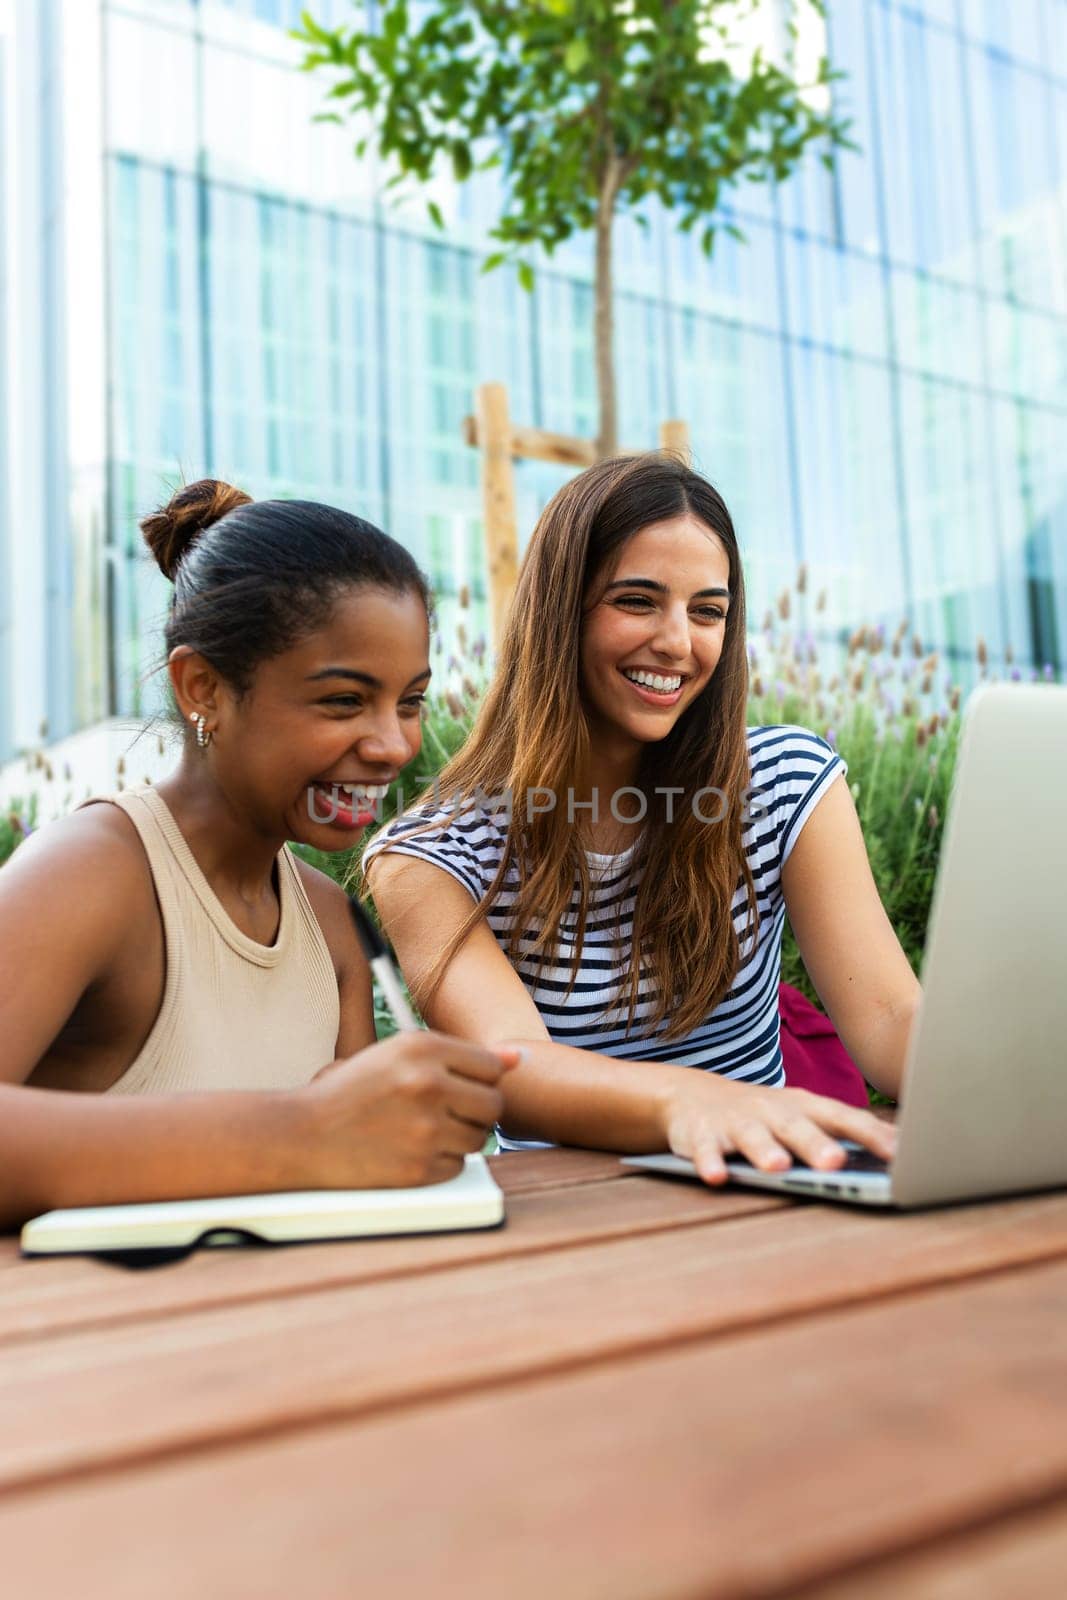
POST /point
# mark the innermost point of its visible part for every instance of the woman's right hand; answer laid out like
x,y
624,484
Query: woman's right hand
x,y
403,1112
709,1118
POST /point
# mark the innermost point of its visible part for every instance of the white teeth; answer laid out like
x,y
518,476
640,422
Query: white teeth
x,y
653,680
360,791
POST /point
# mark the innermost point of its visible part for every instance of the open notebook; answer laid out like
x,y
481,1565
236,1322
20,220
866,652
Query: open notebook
x,y
169,1229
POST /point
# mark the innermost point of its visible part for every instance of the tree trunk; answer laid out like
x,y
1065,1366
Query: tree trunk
x,y
607,440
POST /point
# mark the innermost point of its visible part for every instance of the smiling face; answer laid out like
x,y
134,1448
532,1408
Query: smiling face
x,y
328,724
653,632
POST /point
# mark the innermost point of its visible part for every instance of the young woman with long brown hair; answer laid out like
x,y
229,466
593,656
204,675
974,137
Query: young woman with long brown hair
x,y
606,868
174,981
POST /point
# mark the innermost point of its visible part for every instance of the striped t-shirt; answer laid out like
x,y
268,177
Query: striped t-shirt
x,y
791,769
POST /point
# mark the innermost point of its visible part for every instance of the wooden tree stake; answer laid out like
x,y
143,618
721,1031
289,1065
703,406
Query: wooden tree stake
x,y
500,441
498,500
674,437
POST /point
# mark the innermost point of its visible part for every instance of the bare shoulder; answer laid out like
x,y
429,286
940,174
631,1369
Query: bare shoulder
x,y
94,852
330,905
83,885
401,882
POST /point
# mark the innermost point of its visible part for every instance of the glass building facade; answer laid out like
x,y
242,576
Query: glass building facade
x,y
875,379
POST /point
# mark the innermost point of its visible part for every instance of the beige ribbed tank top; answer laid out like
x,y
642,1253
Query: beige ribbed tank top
x,y
235,1014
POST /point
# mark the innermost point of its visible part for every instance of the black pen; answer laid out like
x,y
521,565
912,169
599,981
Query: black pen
x,y
384,968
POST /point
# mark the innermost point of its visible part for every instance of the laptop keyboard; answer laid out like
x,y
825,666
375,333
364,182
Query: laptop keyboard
x,y
857,1161
864,1161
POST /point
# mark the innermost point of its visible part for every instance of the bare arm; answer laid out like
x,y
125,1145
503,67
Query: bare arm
x,y
402,1112
62,1149
70,898
847,942
580,1097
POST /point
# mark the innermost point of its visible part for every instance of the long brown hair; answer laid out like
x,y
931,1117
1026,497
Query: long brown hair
x,y
532,732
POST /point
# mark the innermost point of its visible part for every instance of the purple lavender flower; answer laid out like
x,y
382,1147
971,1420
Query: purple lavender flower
x,y
1047,672
779,690
831,738
1016,675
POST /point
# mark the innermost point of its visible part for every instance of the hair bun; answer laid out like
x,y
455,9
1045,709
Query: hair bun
x,y
171,531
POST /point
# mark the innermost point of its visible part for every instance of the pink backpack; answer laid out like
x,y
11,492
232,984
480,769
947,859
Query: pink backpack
x,y
814,1056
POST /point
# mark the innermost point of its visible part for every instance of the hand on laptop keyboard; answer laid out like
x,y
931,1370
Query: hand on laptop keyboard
x,y
857,1160
711,1119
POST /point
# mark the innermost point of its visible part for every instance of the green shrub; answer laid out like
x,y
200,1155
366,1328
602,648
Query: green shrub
x,y
17,820
896,723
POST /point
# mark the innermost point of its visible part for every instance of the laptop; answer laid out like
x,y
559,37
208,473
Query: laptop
x,y
984,1100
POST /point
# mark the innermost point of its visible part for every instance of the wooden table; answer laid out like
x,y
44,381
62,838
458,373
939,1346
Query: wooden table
x,y
637,1388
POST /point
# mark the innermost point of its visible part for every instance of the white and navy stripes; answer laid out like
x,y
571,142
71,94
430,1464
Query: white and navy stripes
x,y
791,770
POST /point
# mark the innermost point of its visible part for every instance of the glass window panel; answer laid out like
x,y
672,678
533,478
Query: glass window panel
x,y
641,372
852,98
566,358
937,327
1055,21
897,137
958,574
942,11
1017,29
638,247
433,474
849,507
739,282
729,386
1031,479
151,74
1014,151
834,298
924,145
1027,352
807,200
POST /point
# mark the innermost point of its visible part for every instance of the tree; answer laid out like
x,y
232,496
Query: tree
x,y
588,107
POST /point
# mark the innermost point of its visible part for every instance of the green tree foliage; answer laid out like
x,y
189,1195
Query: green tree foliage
x,y
589,108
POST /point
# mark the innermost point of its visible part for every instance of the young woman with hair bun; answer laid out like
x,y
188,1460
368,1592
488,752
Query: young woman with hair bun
x,y
184,1007
604,872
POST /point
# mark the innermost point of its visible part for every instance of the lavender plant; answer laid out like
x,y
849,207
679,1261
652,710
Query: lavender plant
x,y
17,820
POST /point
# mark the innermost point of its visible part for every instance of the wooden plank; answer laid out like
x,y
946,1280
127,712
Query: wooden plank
x,y
526,1171
498,501
516,1171
744,1467
55,1297
104,1396
1019,1558
539,444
